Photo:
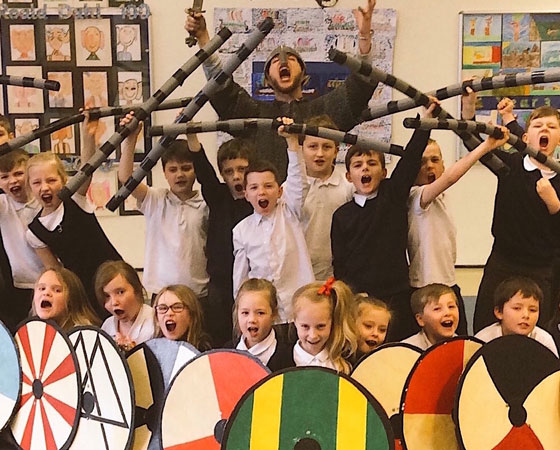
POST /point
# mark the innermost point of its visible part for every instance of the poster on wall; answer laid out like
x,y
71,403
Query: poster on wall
x,y
312,32
495,44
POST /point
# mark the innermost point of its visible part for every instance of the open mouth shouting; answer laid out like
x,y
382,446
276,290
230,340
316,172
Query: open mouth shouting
x,y
253,331
238,187
118,312
431,177
284,73
366,179
447,324
372,343
47,198
263,203
170,325
45,304
543,142
15,190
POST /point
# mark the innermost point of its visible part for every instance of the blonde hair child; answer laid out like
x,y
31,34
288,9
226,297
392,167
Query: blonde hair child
x,y
372,318
325,324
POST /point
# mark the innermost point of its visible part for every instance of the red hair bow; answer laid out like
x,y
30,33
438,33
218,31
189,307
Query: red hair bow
x,y
327,287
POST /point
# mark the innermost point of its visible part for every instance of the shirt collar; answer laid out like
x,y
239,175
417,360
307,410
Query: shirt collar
x,y
529,166
307,359
333,180
33,203
195,201
261,347
362,199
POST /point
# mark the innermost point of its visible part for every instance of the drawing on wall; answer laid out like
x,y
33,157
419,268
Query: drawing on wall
x,y
95,89
64,97
103,186
130,88
22,42
23,99
93,42
26,126
63,142
128,42
57,38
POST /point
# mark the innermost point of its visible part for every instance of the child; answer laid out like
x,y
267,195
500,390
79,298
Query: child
x,y
119,291
68,228
254,311
516,306
176,220
431,230
526,217
16,211
270,243
60,296
228,206
328,189
435,309
369,234
324,322
178,316
373,319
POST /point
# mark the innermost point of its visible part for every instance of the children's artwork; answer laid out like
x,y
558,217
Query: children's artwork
x,y
57,38
482,28
95,89
22,42
130,88
64,97
24,99
105,130
103,186
27,126
63,142
93,42
128,42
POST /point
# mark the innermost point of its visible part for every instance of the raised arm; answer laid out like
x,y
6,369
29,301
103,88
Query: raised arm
x,y
240,261
363,22
457,170
505,109
126,163
212,188
548,195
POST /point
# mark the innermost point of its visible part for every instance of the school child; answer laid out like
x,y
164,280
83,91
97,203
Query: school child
x,y
227,207
254,311
59,295
178,316
436,311
270,243
119,290
516,306
431,230
526,216
68,228
369,233
328,190
325,324
176,220
372,321
17,209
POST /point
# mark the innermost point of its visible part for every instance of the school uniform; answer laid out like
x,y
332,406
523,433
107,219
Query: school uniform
x,y
321,359
142,330
419,340
494,331
273,354
273,247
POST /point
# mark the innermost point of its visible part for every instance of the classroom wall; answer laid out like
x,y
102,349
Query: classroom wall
x,y
426,55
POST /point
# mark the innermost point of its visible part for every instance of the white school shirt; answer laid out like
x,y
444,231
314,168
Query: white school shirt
x,y
323,199
14,218
321,359
494,331
419,340
142,330
432,247
263,350
53,219
273,247
175,241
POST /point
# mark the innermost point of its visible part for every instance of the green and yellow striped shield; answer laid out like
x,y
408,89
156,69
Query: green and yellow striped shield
x,y
308,408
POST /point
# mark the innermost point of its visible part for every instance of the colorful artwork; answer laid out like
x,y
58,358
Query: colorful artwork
x,y
22,42
57,39
482,28
63,142
93,42
103,186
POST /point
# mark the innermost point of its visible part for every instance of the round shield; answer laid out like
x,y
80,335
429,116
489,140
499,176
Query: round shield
x,y
509,397
308,408
10,376
148,394
384,373
50,392
107,415
171,356
428,397
202,396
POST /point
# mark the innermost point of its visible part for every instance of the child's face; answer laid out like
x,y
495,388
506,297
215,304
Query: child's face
x,y
13,183
180,176
313,323
262,191
543,134
372,326
319,155
49,297
365,173
432,165
121,300
254,316
440,318
4,135
519,315
233,173
173,324
45,183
